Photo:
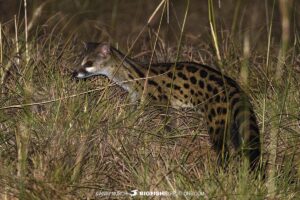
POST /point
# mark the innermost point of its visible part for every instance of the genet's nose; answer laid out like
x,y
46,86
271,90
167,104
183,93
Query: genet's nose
x,y
80,73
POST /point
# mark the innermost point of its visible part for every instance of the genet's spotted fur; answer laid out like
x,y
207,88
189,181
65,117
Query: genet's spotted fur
x,y
227,109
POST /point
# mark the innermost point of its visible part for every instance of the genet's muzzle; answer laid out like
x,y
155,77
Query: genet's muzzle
x,y
80,73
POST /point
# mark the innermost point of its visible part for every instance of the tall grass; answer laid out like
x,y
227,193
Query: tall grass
x,y
67,139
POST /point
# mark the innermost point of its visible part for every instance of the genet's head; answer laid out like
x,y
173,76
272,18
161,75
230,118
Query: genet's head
x,y
97,61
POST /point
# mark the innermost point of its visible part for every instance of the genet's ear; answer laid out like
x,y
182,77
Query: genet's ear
x,y
89,46
104,50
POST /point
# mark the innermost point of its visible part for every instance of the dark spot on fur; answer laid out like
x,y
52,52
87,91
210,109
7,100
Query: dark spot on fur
x,y
217,98
232,93
254,128
152,96
217,80
186,85
209,88
210,118
179,66
231,82
159,88
201,84
224,111
211,130
224,99
236,112
234,101
137,70
191,69
206,107
182,75
176,87
253,118
221,110
151,82
170,75
193,80
213,112
163,97
218,130
154,71
215,91
203,73
131,77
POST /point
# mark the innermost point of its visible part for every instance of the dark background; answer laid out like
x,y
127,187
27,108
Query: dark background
x,y
120,20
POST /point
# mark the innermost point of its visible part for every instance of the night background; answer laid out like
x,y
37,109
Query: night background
x,y
67,139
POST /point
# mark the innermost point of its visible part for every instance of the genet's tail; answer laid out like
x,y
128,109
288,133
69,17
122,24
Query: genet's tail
x,y
246,136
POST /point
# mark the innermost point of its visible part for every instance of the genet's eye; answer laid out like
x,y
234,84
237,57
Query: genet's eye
x,y
88,64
